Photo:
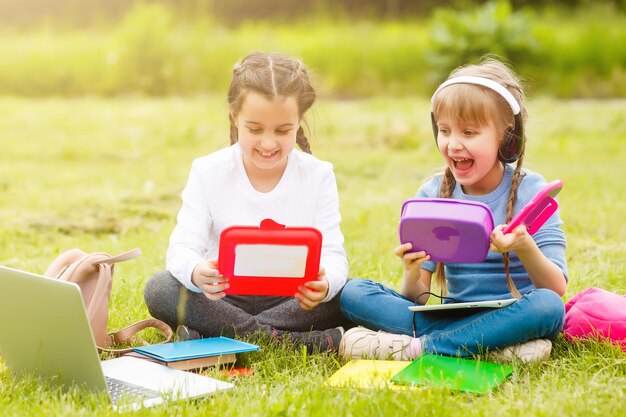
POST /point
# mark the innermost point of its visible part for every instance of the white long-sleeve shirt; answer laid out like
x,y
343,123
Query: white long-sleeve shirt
x,y
219,194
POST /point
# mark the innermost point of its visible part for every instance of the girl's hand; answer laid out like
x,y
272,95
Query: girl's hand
x,y
542,272
416,281
411,261
519,240
212,283
312,292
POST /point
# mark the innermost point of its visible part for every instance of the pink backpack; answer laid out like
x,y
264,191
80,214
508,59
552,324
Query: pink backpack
x,y
93,272
598,314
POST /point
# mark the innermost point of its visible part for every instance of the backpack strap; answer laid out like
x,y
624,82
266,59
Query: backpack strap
x,y
105,272
126,256
129,333
62,262
105,277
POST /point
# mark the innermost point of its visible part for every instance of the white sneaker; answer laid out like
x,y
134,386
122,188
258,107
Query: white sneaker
x,y
537,350
360,342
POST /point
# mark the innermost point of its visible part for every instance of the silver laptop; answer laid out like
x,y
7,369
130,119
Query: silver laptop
x,y
471,304
44,332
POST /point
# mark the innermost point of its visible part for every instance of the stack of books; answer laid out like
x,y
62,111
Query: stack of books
x,y
195,354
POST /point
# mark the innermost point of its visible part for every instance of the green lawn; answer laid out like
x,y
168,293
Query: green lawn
x,y
106,175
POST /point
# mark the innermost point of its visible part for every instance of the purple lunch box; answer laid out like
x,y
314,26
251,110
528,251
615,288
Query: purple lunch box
x,y
449,230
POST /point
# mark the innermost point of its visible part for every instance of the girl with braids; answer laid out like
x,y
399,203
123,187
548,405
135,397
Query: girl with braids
x,y
478,116
261,175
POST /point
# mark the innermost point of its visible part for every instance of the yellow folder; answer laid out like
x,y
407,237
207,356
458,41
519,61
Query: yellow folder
x,y
362,373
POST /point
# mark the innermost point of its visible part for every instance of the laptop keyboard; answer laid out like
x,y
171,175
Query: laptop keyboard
x,y
121,389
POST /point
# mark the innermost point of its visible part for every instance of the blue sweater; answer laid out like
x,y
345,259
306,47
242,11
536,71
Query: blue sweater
x,y
486,280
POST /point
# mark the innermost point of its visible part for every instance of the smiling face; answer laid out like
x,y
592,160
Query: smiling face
x,y
471,122
267,131
470,150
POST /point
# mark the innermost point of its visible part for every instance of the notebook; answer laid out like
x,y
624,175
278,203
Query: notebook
x,y
192,349
471,304
363,373
44,332
458,374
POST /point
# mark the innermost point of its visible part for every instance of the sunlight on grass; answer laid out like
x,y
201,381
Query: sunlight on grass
x,y
106,175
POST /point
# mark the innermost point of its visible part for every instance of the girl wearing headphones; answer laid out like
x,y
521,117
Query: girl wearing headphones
x,y
478,116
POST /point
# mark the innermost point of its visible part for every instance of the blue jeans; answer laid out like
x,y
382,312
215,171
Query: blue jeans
x,y
539,314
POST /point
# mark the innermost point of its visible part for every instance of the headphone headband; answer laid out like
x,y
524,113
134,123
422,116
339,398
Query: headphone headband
x,y
485,82
513,142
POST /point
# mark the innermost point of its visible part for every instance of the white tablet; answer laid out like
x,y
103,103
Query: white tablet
x,y
471,304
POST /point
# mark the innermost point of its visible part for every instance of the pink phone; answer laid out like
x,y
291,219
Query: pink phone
x,y
538,210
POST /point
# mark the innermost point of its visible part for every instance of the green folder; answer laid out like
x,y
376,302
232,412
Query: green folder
x,y
458,374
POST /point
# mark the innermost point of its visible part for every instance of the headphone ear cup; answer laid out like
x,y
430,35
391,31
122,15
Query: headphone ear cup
x,y
513,142
435,127
508,151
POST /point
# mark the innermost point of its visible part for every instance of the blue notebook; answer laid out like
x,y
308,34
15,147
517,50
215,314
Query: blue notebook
x,y
199,348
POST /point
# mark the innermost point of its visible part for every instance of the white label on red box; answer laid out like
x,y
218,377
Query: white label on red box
x,y
280,261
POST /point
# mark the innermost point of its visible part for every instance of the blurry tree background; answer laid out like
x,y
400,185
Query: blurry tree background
x,y
357,48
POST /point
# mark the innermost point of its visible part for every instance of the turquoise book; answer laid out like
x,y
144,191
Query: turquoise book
x,y
199,348
458,374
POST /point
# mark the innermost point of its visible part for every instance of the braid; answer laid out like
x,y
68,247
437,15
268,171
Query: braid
x,y
465,103
447,186
234,132
509,215
302,140
271,75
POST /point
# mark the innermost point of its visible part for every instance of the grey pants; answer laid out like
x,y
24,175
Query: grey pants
x,y
235,315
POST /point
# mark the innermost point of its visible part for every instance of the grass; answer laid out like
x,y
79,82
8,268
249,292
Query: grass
x,y
106,175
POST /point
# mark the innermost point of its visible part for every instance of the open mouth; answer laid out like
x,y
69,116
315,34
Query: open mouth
x,y
462,164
